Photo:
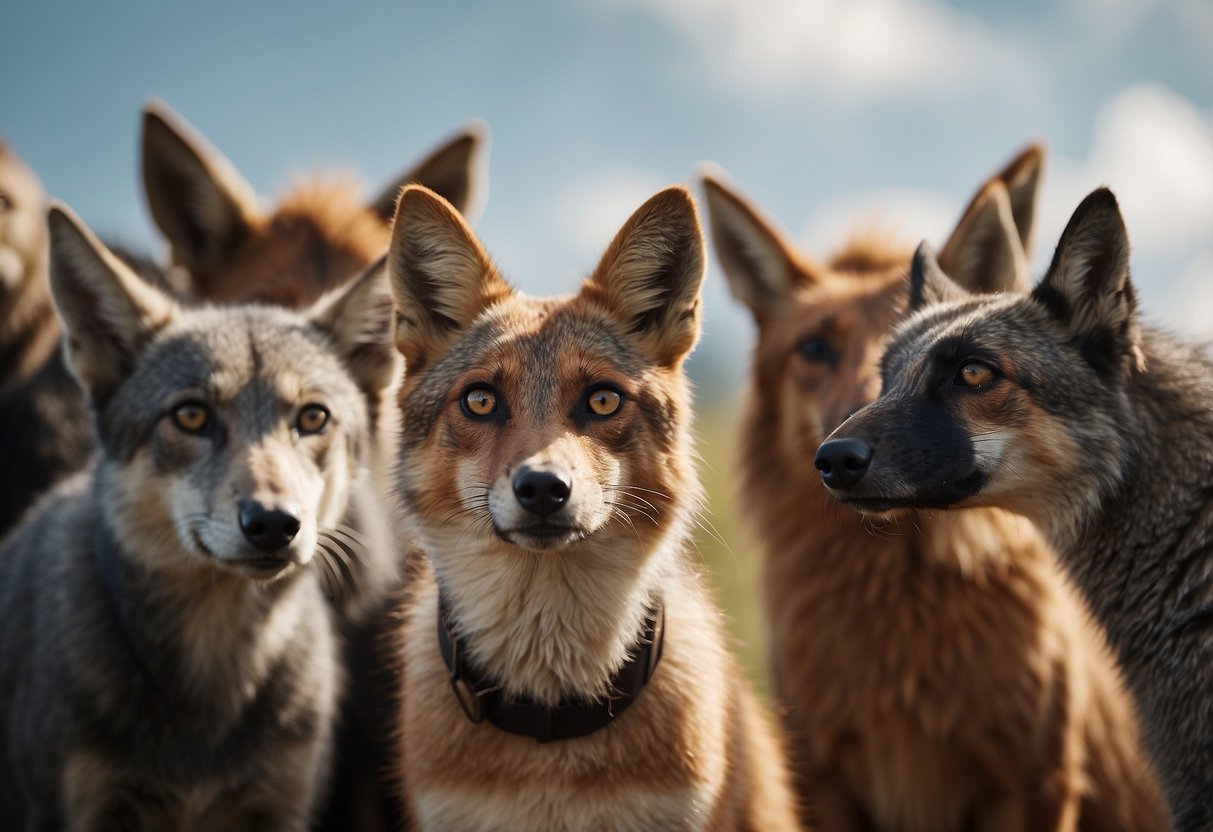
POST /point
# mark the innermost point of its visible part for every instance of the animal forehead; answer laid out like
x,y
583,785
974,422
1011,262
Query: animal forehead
x,y
233,351
1007,329
860,300
541,346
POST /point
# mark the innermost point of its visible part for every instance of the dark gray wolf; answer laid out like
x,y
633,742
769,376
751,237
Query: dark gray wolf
x,y
1061,406
175,663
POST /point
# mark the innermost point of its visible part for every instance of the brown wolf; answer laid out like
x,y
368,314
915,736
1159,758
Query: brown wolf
x,y
176,666
936,671
1060,405
317,236
546,461
44,433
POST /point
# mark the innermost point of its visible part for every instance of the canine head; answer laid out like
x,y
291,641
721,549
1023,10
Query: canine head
x,y
1001,400
22,225
230,435
548,426
822,326
317,237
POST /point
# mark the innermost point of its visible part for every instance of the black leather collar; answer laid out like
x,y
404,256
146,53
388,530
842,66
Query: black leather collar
x,y
482,699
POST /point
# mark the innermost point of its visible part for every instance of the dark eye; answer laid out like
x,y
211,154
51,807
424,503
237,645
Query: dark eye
x,y
604,401
6,201
480,402
817,350
976,375
191,417
313,418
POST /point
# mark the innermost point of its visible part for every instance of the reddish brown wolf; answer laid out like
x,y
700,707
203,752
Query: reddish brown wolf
x,y
564,665
936,670
317,236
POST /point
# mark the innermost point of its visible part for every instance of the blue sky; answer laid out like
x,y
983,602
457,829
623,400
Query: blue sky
x,y
827,112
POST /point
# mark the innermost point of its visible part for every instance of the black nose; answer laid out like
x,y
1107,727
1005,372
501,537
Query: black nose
x,y
269,529
542,491
843,462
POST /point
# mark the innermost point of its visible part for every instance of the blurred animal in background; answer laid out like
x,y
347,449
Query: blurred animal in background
x,y
935,670
564,667
179,667
45,431
1061,405
315,237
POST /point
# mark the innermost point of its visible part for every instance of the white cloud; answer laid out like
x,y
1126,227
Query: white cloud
x,y
1188,305
842,47
1154,149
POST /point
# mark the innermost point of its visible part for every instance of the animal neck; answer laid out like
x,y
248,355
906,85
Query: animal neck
x,y
29,332
1126,523
196,635
553,627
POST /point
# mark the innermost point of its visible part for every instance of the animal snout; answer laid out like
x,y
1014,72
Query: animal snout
x,y
542,491
843,462
269,528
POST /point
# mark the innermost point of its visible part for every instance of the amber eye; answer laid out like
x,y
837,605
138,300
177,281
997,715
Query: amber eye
x,y
191,417
976,375
604,401
480,402
312,419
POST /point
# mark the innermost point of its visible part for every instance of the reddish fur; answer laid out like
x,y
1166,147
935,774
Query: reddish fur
x,y
320,234
934,670
694,750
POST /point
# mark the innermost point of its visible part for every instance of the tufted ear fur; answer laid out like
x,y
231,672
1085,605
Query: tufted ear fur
x,y
984,253
358,316
928,283
454,170
1087,286
198,200
756,260
109,313
441,279
649,278
1021,176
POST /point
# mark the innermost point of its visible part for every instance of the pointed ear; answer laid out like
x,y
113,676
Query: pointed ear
x,y
649,278
1021,177
358,316
758,263
441,279
1087,286
198,200
928,283
109,312
984,253
454,170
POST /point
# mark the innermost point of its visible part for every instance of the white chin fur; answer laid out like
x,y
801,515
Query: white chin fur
x,y
11,268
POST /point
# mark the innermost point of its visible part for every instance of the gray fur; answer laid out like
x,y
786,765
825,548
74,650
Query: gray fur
x,y
189,694
1130,511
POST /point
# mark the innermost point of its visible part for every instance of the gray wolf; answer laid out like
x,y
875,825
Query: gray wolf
x,y
1061,405
176,665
